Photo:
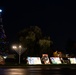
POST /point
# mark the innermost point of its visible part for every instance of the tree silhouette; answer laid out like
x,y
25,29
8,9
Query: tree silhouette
x,y
3,38
32,38
71,47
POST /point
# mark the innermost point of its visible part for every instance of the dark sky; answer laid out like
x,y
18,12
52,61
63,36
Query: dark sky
x,y
56,18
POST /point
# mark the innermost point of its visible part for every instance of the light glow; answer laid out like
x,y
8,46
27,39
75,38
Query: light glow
x,y
0,10
4,57
20,46
14,47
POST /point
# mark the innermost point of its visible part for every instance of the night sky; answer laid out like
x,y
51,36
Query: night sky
x,y
56,18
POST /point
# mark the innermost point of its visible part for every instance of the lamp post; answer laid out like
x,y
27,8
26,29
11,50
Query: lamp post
x,y
18,49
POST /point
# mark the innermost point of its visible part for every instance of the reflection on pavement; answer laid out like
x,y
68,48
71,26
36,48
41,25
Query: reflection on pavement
x,y
37,71
15,72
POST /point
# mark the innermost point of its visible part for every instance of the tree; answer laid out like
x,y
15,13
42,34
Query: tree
x,y
33,39
29,38
3,39
45,45
71,47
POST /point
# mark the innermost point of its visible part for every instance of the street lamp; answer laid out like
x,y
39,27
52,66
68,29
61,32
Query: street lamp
x,y
18,49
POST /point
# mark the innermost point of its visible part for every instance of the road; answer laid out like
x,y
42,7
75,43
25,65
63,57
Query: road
x,y
37,70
